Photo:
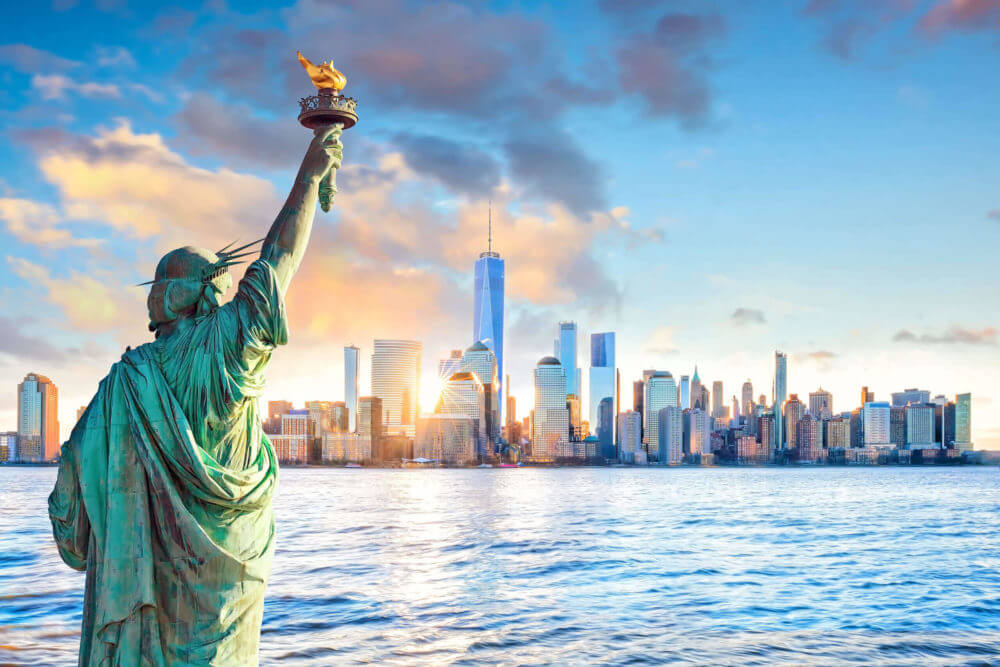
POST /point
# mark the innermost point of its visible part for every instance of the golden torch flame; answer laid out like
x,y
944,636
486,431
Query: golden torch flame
x,y
324,75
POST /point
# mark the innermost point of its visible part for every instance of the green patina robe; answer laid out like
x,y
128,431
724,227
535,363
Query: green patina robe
x,y
164,491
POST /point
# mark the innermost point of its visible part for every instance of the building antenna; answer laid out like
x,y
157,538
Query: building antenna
x,y
489,241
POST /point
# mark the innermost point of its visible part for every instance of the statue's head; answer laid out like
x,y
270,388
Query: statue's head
x,y
188,282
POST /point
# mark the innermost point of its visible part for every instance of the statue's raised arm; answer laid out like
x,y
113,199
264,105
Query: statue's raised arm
x,y
286,242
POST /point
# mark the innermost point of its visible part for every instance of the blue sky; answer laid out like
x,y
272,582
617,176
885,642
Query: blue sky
x,y
712,181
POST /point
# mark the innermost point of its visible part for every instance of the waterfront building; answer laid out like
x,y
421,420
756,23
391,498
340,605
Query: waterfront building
x,y
748,450
370,424
685,392
778,400
320,415
638,390
591,447
765,431
396,382
342,447
821,404
697,392
670,436
867,396
464,395
660,392
717,400
352,363
567,355
963,422
794,411
808,436
340,417
897,426
876,424
275,409
480,360
573,405
630,429
488,315
8,446
292,448
857,417
697,432
449,438
920,428
603,390
901,399
550,424
838,432
37,420
747,395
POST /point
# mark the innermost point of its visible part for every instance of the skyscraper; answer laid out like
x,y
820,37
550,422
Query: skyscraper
x,y
794,410
747,398
963,421
550,426
568,357
876,425
352,359
907,396
821,404
487,324
464,395
867,396
780,394
630,429
920,427
396,381
37,420
479,359
603,387
670,436
661,392
685,390
450,365
718,400
696,391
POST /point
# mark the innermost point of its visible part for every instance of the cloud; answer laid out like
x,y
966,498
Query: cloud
x,y
39,224
746,316
459,167
29,60
954,335
89,304
994,214
551,166
135,184
660,342
964,15
15,343
820,355
56,86
206,126
117,56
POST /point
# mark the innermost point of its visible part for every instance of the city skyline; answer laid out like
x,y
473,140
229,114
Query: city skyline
x,y
769,196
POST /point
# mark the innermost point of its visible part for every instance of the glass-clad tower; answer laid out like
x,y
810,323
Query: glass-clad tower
x,y
780,394
603,380
487,325
567,356
352,356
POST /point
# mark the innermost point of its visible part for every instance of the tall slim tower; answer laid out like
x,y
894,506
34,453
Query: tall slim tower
x,y
567,356
603,391
352,357
747,398
487,321
685,390
780,394
37,420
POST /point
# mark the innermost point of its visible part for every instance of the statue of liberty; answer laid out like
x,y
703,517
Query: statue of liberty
x,y
165,485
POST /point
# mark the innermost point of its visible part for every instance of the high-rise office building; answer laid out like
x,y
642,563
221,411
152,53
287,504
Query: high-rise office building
x,y
568,357
794,410
638,389
660,393
780,394
718,400
487,325
352,363
765,431
370,425
867,396
573,405
670,436
37,420
465,395
963,422
876,424
698,392
340,418
8,446
920,427
396,382
838,433
685,392
821,404
275,409
903,398
550,424
897,426
450,365
747,398
808,438
449,438
479,359
697,432
630,429
603,390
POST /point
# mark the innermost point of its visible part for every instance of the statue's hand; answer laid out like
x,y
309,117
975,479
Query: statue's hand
x,y
325,152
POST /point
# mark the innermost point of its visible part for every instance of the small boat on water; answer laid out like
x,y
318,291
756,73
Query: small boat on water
x,y
485,465
508,465
353,465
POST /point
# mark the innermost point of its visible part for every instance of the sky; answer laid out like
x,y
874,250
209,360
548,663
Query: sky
x,y
710,180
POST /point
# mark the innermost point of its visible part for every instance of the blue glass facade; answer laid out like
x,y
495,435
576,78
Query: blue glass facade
x,y
603,378
487,325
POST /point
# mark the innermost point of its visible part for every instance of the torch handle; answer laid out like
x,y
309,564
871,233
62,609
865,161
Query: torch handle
x,y
327,189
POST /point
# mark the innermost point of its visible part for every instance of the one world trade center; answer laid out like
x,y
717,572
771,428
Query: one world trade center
x,y
487,325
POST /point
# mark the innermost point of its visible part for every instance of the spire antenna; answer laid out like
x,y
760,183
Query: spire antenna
x,y
489,241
